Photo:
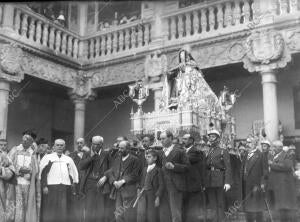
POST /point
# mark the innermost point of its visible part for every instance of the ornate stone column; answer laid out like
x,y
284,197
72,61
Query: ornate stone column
x,y
155,67
10,71
266,54
80,94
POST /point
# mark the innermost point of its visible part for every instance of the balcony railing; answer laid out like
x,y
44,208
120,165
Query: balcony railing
x,y
194,23
200,20
38,31
119,41
285,7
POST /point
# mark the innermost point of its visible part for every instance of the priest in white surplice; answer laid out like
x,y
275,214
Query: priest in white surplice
x,y
58,174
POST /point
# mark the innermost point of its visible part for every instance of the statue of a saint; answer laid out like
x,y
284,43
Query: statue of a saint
x,y
185,85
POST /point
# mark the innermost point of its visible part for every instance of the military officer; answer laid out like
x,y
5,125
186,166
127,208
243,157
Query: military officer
x,y
218,175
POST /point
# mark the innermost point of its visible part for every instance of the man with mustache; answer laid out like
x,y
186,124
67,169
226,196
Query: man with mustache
x,y
124,175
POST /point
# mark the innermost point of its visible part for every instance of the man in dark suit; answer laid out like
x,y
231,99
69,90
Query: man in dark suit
x,y
282,184
195,180
93,185
175,165
76,202
124,176
254,172
218,175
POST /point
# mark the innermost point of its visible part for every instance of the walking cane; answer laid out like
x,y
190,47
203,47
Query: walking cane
x,y
268,207
204,205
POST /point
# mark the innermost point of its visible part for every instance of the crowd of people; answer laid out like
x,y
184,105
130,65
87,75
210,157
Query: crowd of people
x,y
181,180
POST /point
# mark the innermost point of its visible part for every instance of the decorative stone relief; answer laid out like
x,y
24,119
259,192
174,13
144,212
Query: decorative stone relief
x,y
266,50
48,70
293,40
82,87
214,54
155,66
11,60
117,74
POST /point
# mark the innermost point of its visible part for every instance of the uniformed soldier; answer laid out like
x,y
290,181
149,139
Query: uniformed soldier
x,y
218,175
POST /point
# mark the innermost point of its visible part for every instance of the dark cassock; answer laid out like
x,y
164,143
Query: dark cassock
x,y
254,172
194,198
123,176
282,186
76,200
175,164
218,176
62,173
235,193
95,195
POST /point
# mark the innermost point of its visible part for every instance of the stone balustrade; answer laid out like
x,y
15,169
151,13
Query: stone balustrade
x,y
120,40
38,31
205,19
285,7
198,22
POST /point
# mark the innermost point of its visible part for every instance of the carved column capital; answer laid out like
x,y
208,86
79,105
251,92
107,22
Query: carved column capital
x,y
266,50
11,58
155,66
82,88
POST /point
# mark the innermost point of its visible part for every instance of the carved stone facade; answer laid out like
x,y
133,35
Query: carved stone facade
x,y
117,74
266,50
11,60
44,69
155,66
82,88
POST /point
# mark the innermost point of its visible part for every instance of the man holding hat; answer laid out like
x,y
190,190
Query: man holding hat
x,y
253,174
218,175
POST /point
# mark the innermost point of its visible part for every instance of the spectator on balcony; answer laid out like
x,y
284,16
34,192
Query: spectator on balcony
x,y
101,26
48,12
124,19
61,19
106,25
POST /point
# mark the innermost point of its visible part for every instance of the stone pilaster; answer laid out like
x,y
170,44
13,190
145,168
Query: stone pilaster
x,y
266,54
155,68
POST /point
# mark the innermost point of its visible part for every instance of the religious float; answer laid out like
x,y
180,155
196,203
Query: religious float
x,y
188,105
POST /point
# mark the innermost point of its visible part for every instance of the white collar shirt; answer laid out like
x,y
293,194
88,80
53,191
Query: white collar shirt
x,y
167,150
188,149
150,167
125,157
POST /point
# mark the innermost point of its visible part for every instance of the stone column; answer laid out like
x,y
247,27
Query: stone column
x,y
79,119
266,53
80,94
4,101
10,71
270,103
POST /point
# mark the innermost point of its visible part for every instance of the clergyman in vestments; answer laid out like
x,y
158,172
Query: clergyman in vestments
x,y
26,170
62,174
7,183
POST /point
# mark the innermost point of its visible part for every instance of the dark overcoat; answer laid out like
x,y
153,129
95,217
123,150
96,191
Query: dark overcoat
x,y
282,183
196,169
253,173
130,172
86,164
